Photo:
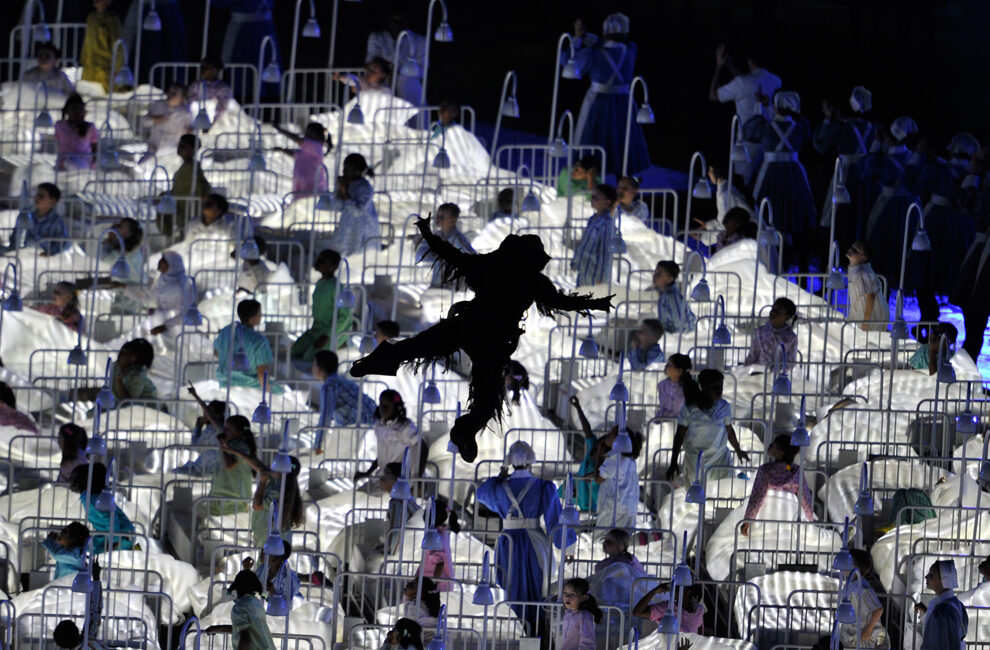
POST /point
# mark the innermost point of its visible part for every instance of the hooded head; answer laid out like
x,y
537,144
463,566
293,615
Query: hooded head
x,y
526,251
520,455
861,100
616,24
964,145
902,127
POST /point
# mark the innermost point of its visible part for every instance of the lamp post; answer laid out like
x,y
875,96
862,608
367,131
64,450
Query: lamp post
x,y
508,106
270,73
442,35
644,115
699,189
570,71
920,242
310,30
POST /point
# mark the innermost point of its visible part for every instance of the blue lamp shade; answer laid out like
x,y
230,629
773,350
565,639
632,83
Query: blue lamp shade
x,y
683,576
645,115
702,190
510,107
695,493
899,330
277,606
152,22
441,160
483,595
589,348
82,583
721,335
782,384
96,446
623,443
402,490
701,292
571,70
864,505
106,399
967,423
124,76
841,195
311,29
845,613
193,317
843,560
250,250
946,373
367,344
13,301
41,33
558,148
668,624
257,161
202,121
282,463
240,361
835,282
356,115
77,357
800,437
262,414
325,203
570,516
346,299
120,270
271,74
618,244
530,203
274,545
166,204
44,119
921,241
105,501
431,394
619,392
432,541
443,34
410,68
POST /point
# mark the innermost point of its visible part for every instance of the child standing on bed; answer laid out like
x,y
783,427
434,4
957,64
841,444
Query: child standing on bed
x,y
233,479
867,632
593,257
103,28
76,140
319,336
615,545
72,441
779,329
358,218
68,548
307,175
581,612
618,496
64,305
395,434
267,494
926,356
673,312
248,622
205,434
704,424
670,392
440,563
586,497
867,301
99,520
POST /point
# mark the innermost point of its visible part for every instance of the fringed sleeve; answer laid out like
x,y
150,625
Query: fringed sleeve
x,y
549,300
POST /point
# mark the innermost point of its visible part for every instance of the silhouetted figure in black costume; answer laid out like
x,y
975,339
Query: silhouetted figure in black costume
x,y
506,283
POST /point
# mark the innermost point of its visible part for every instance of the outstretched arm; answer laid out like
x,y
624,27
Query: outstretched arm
x,y
444,250
549,298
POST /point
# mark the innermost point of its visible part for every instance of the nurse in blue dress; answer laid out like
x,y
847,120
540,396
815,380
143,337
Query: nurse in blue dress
x,y
250,21
945,621
522,501
609,63
782,178
849,139
168,44
885,224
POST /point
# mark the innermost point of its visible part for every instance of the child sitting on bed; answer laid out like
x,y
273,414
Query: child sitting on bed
x,y
644,345
241,337
406,634
504,205
171,118
209,86
396,435
67,636
429,605
581,612
781,473
629,203
342,403
281,579
64,305
670,392
68,548
76,139
47,71
249,624
99,520
926,357
439,563
208,427
10,416
616,549
673,312
127,298
867,632
584,177
72,441
43,227
321,335
129,377
779,329
692,610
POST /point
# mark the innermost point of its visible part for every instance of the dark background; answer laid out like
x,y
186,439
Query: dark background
x,y
923,59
